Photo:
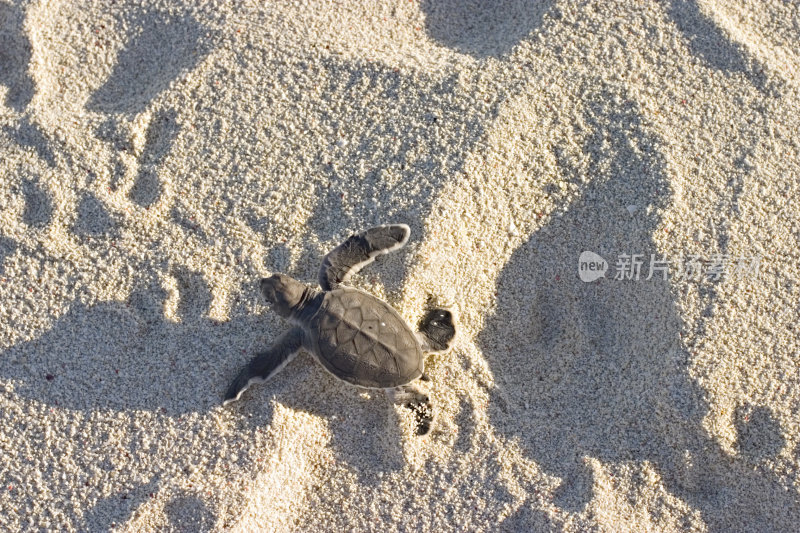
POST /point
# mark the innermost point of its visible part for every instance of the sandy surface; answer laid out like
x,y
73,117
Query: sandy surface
x,y
157,160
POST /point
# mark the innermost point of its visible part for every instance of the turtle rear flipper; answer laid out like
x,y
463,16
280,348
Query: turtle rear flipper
x,y
436,330
360,250
266,364
415,400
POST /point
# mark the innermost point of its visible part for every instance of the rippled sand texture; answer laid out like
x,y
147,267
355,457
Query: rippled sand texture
x,y
158,159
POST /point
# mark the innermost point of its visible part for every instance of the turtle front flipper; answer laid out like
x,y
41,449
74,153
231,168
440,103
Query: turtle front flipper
x,y
360,250
437,330
266,364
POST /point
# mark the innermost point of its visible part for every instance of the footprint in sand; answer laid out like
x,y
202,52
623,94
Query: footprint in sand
x,y
178,44
30,135
188,512
38,211
164,47
7,247
183,512
192,297
93,219
161,133
141,146
587,394
116,509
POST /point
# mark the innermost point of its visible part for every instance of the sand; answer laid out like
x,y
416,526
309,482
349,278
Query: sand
x,y
159,158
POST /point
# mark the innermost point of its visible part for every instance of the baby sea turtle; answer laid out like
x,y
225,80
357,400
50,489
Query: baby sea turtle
x,y
355,336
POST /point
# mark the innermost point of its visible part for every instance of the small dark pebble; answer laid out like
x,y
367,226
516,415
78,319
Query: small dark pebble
x,y
49,377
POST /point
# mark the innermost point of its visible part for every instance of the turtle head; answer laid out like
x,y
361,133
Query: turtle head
x,y
284,294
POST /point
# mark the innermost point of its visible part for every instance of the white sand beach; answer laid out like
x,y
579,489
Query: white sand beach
x,y
158,158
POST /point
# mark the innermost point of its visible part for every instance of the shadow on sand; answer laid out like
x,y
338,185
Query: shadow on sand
x,y
483,28
15,57
582,371
127,355
138,78
416,133
709,42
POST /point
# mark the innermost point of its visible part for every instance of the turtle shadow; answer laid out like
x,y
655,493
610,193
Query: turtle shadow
x,y
126,355
599,369
15,56
483,28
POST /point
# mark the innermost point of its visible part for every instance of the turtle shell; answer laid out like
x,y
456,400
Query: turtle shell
x,y
364,341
